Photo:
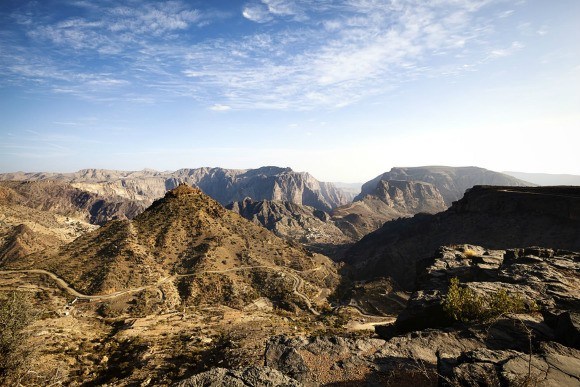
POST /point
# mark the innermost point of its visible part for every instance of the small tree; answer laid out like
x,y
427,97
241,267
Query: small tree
x,y
464,304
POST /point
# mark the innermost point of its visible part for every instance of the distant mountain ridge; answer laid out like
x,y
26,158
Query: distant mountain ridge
x,y
451,182
406,191
224,185
502,217
65,199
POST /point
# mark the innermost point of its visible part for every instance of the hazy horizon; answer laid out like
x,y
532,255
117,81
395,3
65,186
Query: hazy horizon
x,y
342,89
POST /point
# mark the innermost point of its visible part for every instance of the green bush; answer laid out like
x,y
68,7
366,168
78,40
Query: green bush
x,y
463,304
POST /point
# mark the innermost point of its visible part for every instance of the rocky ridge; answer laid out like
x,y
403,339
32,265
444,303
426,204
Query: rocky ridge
x,y
451,182
427,347
224,185
499,217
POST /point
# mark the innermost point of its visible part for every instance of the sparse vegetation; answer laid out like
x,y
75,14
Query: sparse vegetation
x,y
16,313
464,304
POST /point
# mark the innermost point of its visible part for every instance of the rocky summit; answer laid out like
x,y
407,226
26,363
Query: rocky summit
x,y
390,199
404,192
451,182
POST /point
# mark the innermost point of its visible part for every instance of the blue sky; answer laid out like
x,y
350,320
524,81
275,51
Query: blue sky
x,y
343,89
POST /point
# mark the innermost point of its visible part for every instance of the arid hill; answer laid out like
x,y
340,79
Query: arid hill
x,y
499,217
224,185
197,252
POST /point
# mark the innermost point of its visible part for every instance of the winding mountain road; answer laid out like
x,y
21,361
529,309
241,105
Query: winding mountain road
x,y
297,282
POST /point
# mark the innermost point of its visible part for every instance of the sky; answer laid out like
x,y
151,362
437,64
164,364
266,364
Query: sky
x,y
342,89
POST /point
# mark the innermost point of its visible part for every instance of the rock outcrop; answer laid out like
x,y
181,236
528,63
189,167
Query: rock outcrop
x,y
498,217
251,376
224,185
428,347
538,344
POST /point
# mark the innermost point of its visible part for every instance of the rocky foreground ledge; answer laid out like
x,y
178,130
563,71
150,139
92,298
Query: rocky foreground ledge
x,y
435,342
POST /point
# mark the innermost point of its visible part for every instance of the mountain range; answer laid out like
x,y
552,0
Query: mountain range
x,y
224,185
193,248
159,291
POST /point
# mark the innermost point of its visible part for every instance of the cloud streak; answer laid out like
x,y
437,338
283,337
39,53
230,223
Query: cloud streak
x,y
306,54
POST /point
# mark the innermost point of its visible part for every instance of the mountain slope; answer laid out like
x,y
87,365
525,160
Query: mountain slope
x,y
307,225
500,217
24,231
196,252
224,185
64,199
451,182
390,199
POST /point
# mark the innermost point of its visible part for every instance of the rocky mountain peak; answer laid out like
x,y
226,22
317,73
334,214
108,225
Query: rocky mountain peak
x,y
183,189
185,200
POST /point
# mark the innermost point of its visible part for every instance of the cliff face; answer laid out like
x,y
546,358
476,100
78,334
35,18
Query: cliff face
x,y
224,185
499,217
451,182
390,199
65,199
410,197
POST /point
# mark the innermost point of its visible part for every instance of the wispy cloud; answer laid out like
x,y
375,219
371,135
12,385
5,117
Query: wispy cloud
x,y
220,108
305,53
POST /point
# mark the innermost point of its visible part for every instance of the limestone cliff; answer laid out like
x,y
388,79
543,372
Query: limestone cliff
x,y
224,185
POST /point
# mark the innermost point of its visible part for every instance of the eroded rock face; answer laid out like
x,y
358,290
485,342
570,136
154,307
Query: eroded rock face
x,y
251,376
223,185
390,199
450,182
496,217
307,225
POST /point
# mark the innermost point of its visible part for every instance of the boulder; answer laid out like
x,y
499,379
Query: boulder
x,y
251,376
